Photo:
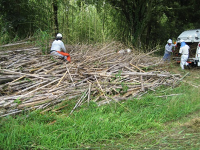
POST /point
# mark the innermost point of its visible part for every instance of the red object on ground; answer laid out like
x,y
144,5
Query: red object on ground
x,y
65,54
187,62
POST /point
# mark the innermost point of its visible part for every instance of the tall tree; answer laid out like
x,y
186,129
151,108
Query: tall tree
x,y
23,17
55,9
137,15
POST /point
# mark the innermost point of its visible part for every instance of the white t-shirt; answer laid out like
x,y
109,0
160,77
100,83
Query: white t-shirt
x,y
184,50
58,45
168,48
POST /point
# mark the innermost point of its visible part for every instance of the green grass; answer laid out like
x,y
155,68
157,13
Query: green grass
x,y
135,123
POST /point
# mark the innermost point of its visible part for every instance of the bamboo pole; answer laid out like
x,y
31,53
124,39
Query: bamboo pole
x,y
20,73
61,79
137,67
89,92
79,101
40,87
101,88
70,75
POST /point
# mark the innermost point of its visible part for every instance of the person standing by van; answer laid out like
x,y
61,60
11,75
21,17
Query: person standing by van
x,y
168,50
184,51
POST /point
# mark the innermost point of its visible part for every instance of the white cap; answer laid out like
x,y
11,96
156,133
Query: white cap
x,y
169,41
59,35
181,40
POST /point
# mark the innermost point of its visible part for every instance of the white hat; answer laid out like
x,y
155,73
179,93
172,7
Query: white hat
x,y
169,41
59,35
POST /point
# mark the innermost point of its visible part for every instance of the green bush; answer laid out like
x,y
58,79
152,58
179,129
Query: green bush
x,y
42,40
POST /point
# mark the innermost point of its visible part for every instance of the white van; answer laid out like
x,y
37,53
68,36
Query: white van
x,y
192,38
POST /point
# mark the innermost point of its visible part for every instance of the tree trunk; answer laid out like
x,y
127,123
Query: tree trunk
x,y
55,10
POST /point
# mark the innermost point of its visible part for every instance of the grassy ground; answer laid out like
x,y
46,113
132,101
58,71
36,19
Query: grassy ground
x,y
156,121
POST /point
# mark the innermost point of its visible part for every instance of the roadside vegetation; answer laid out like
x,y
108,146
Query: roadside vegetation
x,y
154,121
142,24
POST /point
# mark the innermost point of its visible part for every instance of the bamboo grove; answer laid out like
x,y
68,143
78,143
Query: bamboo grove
x,y
142,23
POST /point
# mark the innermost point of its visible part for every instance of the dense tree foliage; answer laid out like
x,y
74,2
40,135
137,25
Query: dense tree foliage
x,y
138,17
153,21
21,18
145,23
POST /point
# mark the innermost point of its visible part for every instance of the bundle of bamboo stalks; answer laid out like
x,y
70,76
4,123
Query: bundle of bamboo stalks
x,y
102,74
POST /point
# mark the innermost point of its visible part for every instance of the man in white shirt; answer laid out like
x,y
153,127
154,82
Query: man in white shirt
x,y
168,50
58,48
184,51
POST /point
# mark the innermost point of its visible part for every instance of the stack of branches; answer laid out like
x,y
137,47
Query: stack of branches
x,y
102,74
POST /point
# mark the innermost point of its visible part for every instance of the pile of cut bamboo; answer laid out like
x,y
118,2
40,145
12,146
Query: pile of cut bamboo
x,y
102,74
